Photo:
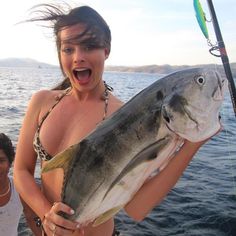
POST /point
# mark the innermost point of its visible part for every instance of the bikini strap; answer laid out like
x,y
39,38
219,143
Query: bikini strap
x,y
58,99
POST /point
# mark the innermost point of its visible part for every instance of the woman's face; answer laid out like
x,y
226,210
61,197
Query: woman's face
x,y
81,61
4,165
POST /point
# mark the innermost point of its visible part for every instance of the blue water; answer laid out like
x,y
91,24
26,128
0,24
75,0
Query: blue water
x,y
203,203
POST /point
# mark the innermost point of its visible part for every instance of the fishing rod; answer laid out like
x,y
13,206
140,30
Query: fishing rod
x,y
220,46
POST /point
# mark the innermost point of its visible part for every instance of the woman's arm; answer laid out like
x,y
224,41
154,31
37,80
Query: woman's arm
x,y
25,160
153,191
24,168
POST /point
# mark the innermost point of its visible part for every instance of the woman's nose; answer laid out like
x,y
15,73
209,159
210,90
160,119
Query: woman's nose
x,y
79,55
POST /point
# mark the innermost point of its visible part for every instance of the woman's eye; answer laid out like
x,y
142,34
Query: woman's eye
x,y
67,50
87,48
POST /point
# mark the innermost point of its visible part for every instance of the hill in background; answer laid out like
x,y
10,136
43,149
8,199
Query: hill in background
x,y
159,69
23,62
166,69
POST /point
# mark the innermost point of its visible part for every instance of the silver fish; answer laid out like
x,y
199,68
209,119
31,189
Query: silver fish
x,y
104,171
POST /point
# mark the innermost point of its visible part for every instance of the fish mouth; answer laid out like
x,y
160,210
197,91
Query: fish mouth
x,y
82,75
218,93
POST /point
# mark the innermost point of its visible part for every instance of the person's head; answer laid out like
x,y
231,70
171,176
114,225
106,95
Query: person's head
x,y
79,26
7,154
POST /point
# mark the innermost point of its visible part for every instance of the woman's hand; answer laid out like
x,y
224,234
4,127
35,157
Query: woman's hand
x,y
54,224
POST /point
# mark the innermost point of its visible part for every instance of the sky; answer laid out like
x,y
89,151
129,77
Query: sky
x,y
144,32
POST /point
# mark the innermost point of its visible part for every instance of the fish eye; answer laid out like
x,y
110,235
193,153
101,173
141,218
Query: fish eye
x,y
200,80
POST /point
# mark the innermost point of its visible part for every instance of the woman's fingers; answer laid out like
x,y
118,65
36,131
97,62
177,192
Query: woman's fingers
x,y
59,206
62,222
55,224
59,220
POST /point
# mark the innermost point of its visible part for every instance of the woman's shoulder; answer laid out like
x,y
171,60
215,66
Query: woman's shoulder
x,y
42,100
46,95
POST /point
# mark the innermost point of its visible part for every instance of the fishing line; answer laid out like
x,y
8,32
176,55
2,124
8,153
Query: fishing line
x,y
223,54
225,111
228,140
217,50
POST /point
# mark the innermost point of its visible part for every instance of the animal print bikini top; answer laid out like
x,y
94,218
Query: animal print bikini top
x,y
38,147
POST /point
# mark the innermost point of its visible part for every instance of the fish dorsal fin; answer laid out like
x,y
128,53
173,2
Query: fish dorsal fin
x,y
61,160
107,215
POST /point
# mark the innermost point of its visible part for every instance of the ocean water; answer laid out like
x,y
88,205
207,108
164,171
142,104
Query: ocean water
x,y
203,202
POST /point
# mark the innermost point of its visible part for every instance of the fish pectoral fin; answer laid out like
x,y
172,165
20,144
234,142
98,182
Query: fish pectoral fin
x,y
146,155
61,160
107,215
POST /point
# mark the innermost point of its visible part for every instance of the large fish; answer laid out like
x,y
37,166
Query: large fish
x,y
105,170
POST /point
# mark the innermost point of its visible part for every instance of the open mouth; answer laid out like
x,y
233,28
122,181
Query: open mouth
x,y
218,93
82,74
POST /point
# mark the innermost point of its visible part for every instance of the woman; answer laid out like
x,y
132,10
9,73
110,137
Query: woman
x,y
10,203
59,118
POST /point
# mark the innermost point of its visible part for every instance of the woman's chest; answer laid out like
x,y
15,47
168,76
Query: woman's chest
x,y
66,127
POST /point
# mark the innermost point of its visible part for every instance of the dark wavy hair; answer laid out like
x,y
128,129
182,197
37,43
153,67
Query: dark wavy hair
x,y
97,31
7,147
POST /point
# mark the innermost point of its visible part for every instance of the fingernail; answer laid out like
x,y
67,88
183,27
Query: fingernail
x,y
78,226
72,212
